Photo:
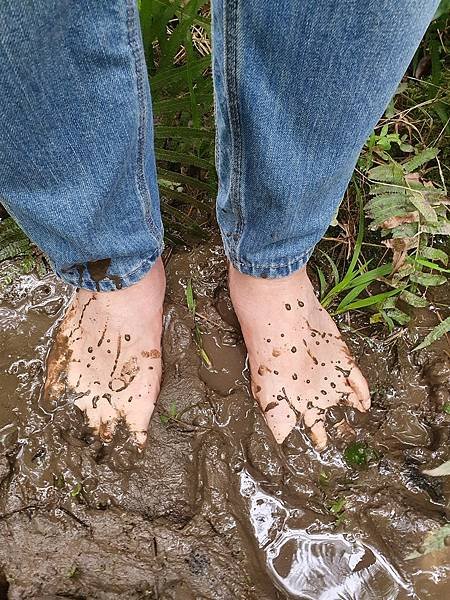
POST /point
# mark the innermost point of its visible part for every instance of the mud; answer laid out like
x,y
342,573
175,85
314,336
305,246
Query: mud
x,y
213,508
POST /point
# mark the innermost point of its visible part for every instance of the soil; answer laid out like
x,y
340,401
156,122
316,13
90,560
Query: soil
x,y
213,508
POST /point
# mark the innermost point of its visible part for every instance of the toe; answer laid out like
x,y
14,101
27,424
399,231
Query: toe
x,y
315,421
358,383
281,420
107,427
139,438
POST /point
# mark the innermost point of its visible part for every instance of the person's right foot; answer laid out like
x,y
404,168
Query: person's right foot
x,y
299,364
107,355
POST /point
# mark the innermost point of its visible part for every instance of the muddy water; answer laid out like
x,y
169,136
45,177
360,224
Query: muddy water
x,y
213,509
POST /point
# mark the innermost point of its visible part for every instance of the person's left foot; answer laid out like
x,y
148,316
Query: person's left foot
x,y
107,355
299,364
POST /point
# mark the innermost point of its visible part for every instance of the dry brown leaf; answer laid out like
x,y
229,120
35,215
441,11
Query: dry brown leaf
x,y
400,247
412,217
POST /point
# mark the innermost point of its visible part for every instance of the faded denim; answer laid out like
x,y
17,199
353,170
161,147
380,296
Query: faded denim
x,y
299,85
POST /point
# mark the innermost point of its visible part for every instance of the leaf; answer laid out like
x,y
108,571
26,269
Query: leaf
x,y
435,334
420,159
333,266
413,299
370,301
393,222
429,265
440,471
398,315
190,297
350,297
185,133
193,182
427,279
434,541
441,228
322,281
185,159
400,247
424,208
337,506
391,173
76,491
435,254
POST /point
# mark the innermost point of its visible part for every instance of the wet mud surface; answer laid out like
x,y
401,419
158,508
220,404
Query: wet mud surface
x,y
213,508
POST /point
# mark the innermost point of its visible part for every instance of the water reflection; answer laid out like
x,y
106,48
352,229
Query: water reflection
x,y
317,566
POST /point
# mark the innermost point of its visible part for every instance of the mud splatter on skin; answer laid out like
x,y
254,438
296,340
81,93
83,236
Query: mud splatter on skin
x,y
127,374
312,357
285,397
116,360
107,397
151,353
102,337
271,406
80,321
287,306
127,337
345,372
262,370
276,353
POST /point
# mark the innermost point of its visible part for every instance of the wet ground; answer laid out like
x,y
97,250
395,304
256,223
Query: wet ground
x,y
214,509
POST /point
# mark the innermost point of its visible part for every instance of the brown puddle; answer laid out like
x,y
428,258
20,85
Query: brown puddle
x,y
214,509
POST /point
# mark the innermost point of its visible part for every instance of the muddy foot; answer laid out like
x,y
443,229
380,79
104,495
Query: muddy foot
x,y
299,364
107,355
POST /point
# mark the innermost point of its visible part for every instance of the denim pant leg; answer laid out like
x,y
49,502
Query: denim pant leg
x,y
77,166
299,85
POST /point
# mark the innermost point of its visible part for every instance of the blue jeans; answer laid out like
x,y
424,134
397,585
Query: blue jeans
x,y
299,85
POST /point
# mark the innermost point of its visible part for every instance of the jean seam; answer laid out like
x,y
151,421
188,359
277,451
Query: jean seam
x,y
232,101
139,62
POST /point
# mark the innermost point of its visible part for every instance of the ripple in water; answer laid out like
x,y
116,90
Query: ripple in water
x,y
317,566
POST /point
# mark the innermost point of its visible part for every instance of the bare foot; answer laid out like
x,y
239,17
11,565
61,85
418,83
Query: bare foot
x,y
107,355
299,364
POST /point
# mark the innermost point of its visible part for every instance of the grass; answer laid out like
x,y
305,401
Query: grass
x,y
389,243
